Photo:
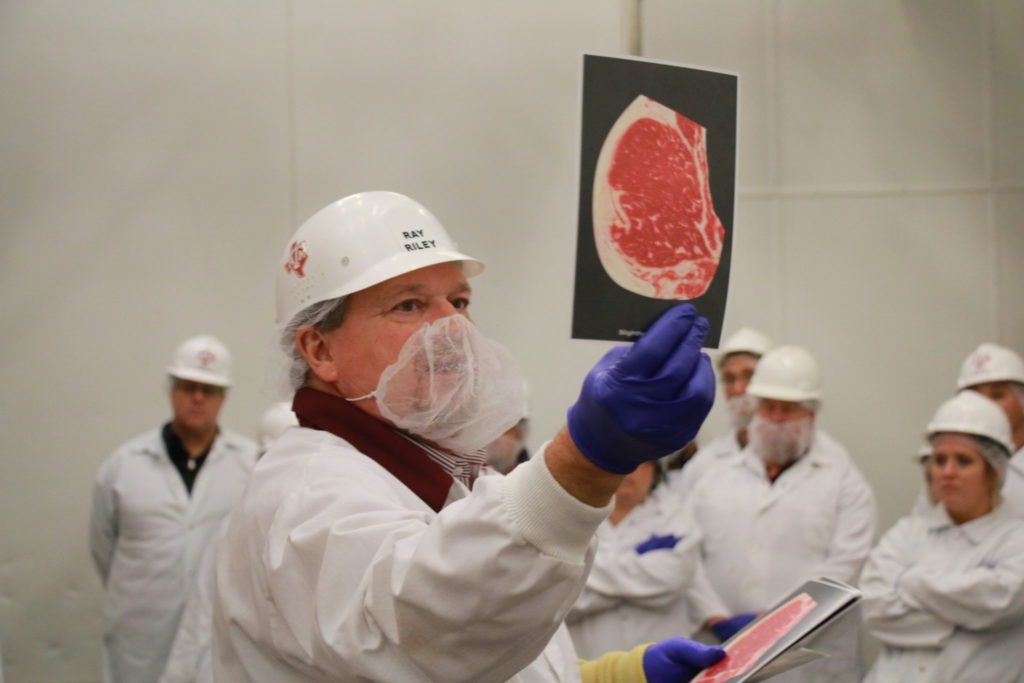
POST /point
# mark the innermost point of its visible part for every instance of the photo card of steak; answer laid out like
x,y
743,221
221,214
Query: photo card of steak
x,y
657,195
773,643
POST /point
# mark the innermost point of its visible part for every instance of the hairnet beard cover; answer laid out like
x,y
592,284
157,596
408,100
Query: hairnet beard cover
x,y
780,442
452,386
741,410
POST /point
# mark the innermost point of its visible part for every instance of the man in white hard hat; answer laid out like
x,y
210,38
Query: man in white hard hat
x,y
737,360
157,502
365,548
790,508
998,373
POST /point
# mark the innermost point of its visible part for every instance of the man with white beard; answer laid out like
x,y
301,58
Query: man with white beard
x,y
737,360
791,507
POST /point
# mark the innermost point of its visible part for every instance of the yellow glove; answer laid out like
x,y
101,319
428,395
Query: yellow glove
x,y
616,667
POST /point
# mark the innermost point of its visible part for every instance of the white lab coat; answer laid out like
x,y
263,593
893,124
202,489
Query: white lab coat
x,y
147,535
190,660
631,599
946,600
678,483
761,540
333,570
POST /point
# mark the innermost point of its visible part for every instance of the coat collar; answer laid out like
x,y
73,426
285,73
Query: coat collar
x,y
975,530
377,441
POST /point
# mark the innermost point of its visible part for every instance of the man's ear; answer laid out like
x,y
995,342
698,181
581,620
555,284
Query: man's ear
x,y
313,346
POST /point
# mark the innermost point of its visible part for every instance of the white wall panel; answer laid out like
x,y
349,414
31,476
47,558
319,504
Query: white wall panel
x,y
1007,55
876,93
1010,268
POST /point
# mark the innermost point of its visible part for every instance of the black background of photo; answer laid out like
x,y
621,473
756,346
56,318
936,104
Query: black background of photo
x,y
601,308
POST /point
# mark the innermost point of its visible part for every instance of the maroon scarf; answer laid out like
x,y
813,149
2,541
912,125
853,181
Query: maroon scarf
x,y
377,441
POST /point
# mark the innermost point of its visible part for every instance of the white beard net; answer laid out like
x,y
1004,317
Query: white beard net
x,y
780,442
452,386
741,410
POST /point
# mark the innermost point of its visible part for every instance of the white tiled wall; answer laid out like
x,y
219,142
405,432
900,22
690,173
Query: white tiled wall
x,y
155,156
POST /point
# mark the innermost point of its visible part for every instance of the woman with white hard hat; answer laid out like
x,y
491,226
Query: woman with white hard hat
x,y
366,548
944,591
648,553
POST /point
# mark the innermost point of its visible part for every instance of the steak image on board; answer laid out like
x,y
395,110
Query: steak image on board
x,y
749,645
656,229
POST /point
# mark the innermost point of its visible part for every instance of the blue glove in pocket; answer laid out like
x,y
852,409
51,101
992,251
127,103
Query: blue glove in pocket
x,y
656,542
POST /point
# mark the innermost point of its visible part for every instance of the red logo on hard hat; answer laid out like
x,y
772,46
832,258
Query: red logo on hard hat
x,y
205,358
980,361
297,259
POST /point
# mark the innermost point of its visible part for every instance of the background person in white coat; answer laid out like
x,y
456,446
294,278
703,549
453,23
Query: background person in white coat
x,y
190,660
944,591
790,508
647,554
737,360
997,373
157,502
366,548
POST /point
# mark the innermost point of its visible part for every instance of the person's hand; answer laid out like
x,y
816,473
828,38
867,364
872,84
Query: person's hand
x,y
642,402
656,542
677,660
725,629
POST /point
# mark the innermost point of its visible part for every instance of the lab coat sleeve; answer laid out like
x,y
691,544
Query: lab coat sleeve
x,y
654,579
103,520
472,594
989,595
854,531
890,614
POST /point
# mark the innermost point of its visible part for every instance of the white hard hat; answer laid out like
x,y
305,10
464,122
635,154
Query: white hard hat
x,y
786,373
745,340
971,413
275,420
990,363
359,241
202,359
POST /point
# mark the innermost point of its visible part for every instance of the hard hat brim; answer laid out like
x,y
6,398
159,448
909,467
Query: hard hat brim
x,y
198,376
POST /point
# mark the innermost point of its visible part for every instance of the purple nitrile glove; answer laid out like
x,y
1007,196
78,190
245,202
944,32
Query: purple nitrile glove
x,y
677,660
656,542
727,628
642,402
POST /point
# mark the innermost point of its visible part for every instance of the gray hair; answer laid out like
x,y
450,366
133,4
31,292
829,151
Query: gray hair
x,y
325,316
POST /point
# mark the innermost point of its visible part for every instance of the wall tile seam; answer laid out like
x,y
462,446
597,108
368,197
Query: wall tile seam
x,y
841,192
988,74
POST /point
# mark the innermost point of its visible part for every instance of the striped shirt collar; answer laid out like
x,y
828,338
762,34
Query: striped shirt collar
x,y
463,468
